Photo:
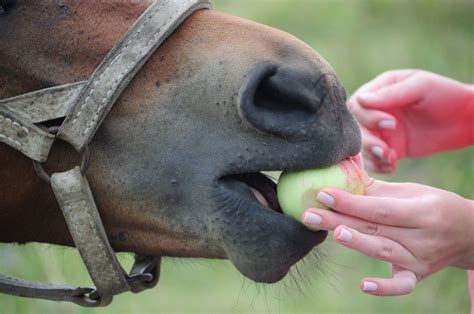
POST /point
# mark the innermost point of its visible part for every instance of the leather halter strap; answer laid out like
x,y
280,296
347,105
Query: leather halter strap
x,y
19,114
46,104
77,203
85,105
120,66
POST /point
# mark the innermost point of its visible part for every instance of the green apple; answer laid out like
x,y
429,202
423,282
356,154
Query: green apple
x,y
297,190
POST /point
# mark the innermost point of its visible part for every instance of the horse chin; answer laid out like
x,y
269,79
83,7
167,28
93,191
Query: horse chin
x,y
261,242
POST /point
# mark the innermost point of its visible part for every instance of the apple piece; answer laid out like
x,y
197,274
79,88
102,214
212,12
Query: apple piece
x,y
297,190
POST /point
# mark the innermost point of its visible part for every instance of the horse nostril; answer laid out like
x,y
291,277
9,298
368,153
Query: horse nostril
x,y
281,101
285,94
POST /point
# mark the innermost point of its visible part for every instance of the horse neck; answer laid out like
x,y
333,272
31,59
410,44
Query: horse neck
x,y
43,44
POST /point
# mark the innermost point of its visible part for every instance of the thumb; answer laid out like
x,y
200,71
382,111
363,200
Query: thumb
x,y
388,189
400,94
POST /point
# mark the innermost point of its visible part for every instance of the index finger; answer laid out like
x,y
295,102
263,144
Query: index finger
x,y
383,210
369,118
384,79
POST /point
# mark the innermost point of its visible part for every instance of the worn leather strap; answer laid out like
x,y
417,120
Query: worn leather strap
x,y
31,289
21,134
46,104
18,115
143,265
77,203
120,66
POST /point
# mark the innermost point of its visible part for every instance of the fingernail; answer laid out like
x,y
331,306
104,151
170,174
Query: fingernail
x,y
345,235
377,151
368,97
387,124
369,286
312,219
325,198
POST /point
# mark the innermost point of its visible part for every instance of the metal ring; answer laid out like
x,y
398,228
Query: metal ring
x,y
85,161
94,299
139,278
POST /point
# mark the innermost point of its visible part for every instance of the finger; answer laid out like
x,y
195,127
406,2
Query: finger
x,y
385,158
377,247
369,164
389,189
369,140
370,118
383,168
400,94
374,148
322,219
374,164
403,282
380,209
406,191
384,79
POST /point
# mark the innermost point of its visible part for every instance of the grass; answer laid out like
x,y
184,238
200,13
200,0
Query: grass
x,y
360,39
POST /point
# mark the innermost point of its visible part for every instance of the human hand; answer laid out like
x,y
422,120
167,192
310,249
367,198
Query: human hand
x,y
412,113
416,228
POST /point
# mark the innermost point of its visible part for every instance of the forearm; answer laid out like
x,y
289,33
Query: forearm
x,y
458,131
467,123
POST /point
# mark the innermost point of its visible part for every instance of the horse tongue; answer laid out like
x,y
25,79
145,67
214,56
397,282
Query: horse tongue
x,y
353,167
260,197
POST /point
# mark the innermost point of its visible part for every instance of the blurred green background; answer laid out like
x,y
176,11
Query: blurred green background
x,y
360,39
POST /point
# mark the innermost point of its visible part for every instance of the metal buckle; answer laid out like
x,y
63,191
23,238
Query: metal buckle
x,y
85,161
144,273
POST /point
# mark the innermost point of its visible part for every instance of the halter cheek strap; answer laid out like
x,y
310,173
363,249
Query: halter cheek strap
x,y
120,66
84,106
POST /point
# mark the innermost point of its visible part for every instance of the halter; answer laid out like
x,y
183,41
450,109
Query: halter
x,y
84,106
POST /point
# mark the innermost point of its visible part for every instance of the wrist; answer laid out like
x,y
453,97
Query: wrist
x,y
466,254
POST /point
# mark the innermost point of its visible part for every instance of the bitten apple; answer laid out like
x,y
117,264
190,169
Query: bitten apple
x,y
297,190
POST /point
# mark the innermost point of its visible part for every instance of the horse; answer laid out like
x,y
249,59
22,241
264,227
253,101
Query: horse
x,y
176,167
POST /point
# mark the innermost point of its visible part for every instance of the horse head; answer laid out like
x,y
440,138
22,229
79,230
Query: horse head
x,y
176,166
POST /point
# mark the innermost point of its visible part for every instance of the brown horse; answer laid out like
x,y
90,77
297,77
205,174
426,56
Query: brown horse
x,y
175,167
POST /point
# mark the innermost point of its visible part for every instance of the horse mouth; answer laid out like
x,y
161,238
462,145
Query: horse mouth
x,y
261,186
261,242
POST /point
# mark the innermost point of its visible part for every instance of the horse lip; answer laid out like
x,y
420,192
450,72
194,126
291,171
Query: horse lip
x,y
261,243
